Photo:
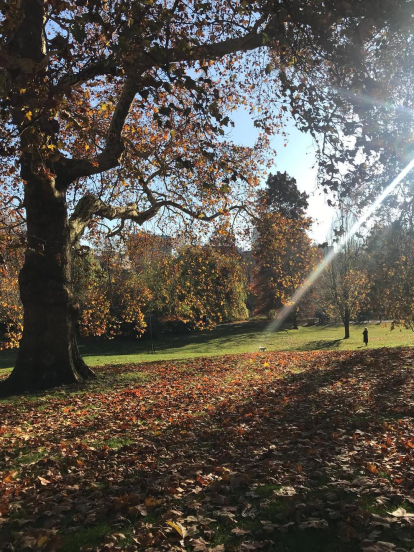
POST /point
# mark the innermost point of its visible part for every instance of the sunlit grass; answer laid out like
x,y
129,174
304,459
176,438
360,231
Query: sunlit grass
x,y
243,337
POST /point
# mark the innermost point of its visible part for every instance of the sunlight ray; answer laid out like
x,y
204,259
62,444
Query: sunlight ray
x,y
284,312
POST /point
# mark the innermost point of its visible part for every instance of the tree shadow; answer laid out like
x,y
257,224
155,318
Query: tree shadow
x,y
323,344
298,432
7,359
219,339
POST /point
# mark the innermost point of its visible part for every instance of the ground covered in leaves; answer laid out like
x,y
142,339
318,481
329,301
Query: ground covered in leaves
x,y
266,451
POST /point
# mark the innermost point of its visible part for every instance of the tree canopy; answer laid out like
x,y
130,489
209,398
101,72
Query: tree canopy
x,y
281,194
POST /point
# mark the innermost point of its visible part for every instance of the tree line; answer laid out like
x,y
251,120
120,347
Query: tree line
x,y
185,286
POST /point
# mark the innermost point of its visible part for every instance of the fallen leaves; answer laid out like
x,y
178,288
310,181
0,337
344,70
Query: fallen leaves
x,y
180,454
372,468
179,528
400,512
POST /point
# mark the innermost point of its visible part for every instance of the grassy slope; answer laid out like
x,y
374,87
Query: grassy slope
x,y
244,337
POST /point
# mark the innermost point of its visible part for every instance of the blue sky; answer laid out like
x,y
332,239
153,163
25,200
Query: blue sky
x,y
298,160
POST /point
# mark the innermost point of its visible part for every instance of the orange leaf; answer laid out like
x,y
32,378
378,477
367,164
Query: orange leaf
x,y
372,468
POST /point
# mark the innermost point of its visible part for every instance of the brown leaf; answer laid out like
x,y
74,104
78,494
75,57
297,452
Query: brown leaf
x,y
151,502
400,512
43,481
239,532
372,468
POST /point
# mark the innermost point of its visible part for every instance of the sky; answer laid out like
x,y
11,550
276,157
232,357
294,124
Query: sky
x,y
297,158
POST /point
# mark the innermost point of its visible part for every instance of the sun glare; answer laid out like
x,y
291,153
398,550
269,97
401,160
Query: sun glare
x,y
284,312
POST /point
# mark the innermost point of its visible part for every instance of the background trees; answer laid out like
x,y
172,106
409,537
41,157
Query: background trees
x,y
344,288
179,284
281,247
390,263
344,285
11,312
202,286
112,297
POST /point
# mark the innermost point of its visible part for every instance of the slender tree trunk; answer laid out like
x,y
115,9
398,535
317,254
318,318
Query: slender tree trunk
x,y
346,323
48,355
295,319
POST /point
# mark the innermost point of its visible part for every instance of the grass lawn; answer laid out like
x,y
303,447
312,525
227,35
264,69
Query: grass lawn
x,y
278,451
243,337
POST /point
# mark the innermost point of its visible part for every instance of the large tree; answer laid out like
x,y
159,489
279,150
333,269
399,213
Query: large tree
x,y
117,110
200,285
281,195
282,250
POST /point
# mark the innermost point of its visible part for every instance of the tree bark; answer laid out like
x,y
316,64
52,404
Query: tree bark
x,y
48,355
346,323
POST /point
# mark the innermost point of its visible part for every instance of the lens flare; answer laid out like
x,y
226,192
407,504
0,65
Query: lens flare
x,y
284,312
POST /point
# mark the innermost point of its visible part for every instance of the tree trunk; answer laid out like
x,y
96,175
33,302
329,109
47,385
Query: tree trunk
x,y
48,355
346,323
295,319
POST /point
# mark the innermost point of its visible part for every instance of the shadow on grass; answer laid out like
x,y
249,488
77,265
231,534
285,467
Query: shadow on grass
x,y
323,344
7,359
287,433
220,338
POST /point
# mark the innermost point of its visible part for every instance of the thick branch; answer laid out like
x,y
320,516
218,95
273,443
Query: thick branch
x,y
89,72
151,59
250,41
110,157
90,206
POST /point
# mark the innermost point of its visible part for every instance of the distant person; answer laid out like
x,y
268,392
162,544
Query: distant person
x,y
365,334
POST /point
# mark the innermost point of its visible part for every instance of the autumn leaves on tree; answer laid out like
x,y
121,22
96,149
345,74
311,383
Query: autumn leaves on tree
x,y
282,250
118,110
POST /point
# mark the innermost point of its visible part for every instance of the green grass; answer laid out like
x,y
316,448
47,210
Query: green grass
x,y
266,491
242,337
29,458
115,443
90,536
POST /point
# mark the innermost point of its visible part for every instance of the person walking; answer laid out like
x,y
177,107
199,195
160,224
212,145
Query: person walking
x,y
365,334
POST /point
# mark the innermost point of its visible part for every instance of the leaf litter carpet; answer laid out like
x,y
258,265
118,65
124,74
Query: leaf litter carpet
x,y
266,451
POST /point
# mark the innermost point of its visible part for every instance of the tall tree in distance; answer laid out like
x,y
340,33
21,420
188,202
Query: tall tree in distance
x,y
390,263
344,286
281,248
281,195
117,111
